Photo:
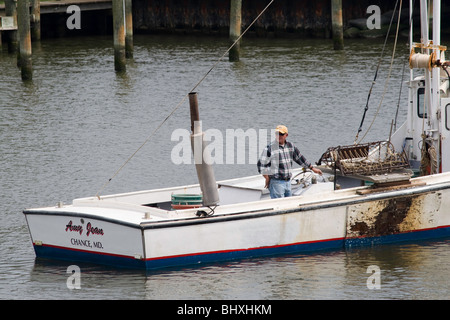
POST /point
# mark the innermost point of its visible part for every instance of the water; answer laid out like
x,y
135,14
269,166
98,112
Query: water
x,y
64,134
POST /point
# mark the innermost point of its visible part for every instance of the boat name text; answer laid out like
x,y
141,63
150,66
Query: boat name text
x,y
79,228
86,243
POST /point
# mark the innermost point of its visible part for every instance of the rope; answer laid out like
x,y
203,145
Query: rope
x,y
399,97
183,99
389,74
376,74
403,71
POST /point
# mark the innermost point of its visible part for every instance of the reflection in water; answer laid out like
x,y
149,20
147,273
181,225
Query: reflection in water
x,y
408,271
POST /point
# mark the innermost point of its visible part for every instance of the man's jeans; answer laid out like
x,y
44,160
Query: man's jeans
x,y
279,188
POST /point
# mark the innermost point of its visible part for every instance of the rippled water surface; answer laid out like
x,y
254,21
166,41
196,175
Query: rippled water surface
x,y
64,134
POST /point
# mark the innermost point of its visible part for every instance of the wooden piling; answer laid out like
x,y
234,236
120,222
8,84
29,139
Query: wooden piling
x,y
23,25
11,35
129,29
235,29
337,25
35,20
119,35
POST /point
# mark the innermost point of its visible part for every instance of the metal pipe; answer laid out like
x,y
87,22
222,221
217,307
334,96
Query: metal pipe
x,y
425,42
195,116
436,76
411,9
202,160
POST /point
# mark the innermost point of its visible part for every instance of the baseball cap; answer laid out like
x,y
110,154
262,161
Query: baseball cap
x,y
281,129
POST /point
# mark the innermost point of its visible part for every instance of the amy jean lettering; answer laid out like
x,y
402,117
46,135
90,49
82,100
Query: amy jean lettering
x,y
93,230
71,227
90,229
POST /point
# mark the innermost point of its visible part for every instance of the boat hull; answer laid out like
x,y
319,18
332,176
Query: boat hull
x,y
344,219
110,259
78,237
236,237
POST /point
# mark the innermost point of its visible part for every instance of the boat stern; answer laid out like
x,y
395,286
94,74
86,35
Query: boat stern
x,y
65,234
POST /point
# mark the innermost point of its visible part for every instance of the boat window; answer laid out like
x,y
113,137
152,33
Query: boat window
x,y
421,112
447,116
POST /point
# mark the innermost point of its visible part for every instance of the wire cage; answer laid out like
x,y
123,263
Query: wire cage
x,y
365,159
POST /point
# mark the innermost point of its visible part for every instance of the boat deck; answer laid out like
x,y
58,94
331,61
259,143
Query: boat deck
x,y
136,208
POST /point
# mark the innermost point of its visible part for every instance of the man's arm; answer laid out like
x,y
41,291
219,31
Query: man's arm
x,y
267,177
301,160
264,165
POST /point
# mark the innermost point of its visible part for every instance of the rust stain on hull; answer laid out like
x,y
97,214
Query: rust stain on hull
x,y
393,216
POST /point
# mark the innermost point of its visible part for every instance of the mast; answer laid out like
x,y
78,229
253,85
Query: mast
x,y
425,42
411,37
436,80
429,127
429,60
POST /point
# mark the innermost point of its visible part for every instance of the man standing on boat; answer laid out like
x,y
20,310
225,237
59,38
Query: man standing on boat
x,y
276,161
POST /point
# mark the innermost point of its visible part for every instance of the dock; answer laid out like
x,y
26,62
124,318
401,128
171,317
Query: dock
x,y
60,6
84,5
121,18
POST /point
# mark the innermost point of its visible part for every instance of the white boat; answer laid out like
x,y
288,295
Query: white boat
x,y
237,219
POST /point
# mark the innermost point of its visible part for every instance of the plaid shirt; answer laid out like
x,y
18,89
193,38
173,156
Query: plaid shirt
x,y
276,160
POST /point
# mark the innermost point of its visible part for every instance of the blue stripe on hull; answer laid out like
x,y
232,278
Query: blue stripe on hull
x,y
242,254
129,262
427,234
59,253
